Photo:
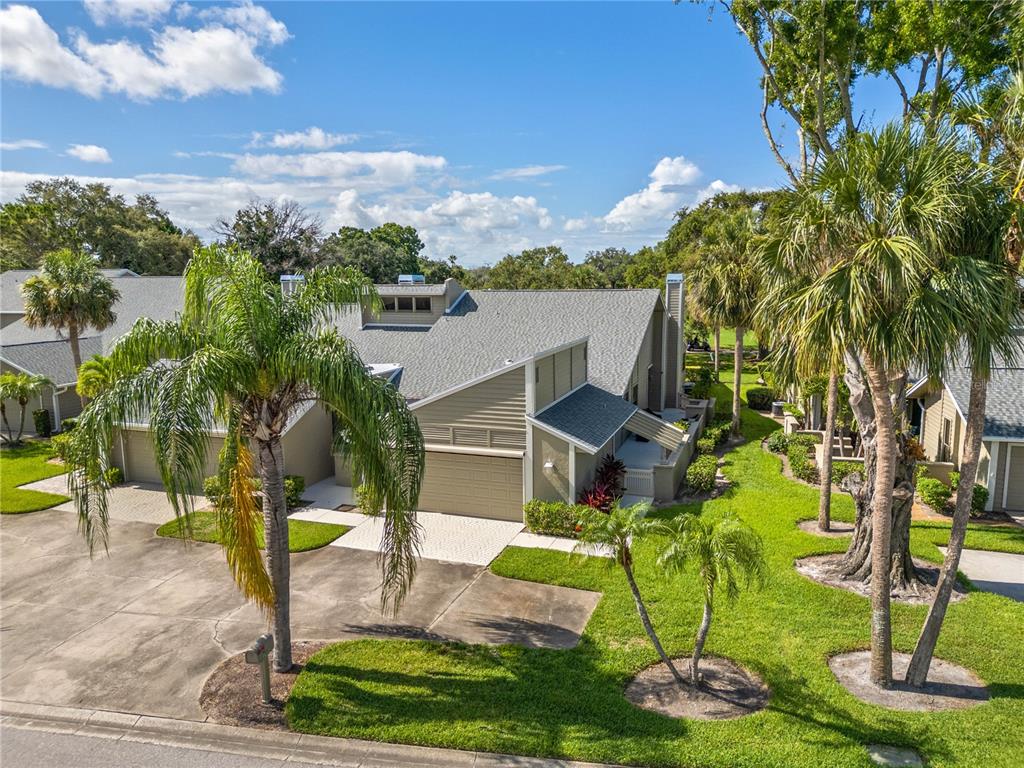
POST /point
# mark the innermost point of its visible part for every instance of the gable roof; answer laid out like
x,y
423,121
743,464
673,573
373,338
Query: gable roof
x,y
487,330
12,280
51,359
588,417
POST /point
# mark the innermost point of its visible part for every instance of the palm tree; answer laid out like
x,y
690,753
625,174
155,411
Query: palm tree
x,y
724,552
70,294
20,387
725,284
996,234
94,375
884,211
246,357
618,531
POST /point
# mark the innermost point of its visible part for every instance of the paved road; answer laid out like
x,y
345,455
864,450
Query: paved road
x,y
998,572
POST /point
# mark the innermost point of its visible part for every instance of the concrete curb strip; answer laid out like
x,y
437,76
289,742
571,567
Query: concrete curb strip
x,y
213,737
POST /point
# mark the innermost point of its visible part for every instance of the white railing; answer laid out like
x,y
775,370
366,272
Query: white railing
x,y
639,482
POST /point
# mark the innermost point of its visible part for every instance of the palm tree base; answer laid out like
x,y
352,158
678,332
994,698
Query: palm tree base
x,y
949,685
726,691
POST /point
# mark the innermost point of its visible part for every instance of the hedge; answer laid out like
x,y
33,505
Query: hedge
x,y
705,446
800,463
979,494
700,475
759,398
41,419
840,469
555,518
933,492
777,442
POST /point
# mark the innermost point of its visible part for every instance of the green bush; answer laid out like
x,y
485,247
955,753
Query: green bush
x,y
555,518
114,476
41,419
800,463
979,497
920,471
759,398
294,485
703,378
840,469
718,431
802,438
954,481
66,425
367,501
700,475
793,411
705,446
60,447
211,489
777,442
933,492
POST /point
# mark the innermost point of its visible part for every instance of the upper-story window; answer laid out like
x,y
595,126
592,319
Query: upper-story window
x,y
422,303
406,303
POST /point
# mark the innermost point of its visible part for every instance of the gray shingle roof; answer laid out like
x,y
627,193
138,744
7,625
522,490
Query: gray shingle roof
x,y
51,359
589,414
1004,407
394,289
489,328
12,280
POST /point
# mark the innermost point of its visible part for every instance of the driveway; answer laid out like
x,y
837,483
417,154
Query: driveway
x,y
998,572
141,629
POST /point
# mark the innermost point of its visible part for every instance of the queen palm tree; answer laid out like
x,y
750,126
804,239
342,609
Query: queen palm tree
x,y
618,531
21,388
70,295
246,357
724,552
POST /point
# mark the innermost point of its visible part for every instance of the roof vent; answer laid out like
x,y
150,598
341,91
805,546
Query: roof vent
x,y
412,280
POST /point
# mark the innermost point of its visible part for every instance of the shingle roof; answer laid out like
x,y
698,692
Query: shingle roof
x,y
395,289
12,280
589,415
51,359
489,328
1004,406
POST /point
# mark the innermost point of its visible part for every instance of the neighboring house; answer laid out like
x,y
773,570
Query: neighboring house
x,y
940,418
519,394
11,305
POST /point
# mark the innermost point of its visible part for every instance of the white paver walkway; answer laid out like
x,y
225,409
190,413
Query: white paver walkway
x,y
327,494
559,544
451,538
335,516
136,502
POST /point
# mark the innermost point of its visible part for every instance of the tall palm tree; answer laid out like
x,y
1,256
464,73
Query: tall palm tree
x,y
244,356
70,295
618,531
992,241
724,552
725,283
21,388
885,209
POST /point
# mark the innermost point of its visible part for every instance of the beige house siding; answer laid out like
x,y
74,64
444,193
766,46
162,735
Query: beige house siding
x,y
134,453
939,406
465,484
544,376
673,338
411,317
550,484
307,447
452,291
486,415
579,365
1013,477
586,465
559,373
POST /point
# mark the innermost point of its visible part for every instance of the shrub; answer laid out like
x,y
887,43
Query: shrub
x,y
840,470
211,489
920,471
114,476
612,473
933,492
41,419
60,447
294,485
759,398
777,442
66,425
700,475
718,431
954,481
705,446
554,518
367,500
703,378
979,497
800,463
598,496
802,438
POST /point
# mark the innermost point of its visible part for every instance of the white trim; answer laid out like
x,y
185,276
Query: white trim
x,y
587,447
456,302
916,386
124,457
1003,439
528,467
1006,471
467,384
664,354
993,473
555,402
572,473
531,387
562,347
506,453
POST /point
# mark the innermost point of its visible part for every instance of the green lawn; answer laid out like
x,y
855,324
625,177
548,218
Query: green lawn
x,y
303,535
569,704
26,464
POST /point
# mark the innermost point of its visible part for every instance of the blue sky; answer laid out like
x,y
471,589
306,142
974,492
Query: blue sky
x,y
490,127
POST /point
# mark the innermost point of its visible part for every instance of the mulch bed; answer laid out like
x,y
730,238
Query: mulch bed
x,y
836,529
949,685
824,569
727,691
232,694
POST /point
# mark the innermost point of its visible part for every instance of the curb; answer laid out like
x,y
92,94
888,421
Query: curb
x,y
251,742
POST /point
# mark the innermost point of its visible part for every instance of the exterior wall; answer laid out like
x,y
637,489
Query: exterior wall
x,y
550,484
466,484
579,365
657,383
586,465
563,372
1000,481
342,472
307,447
674,303
486,415
559,373
669,476
452,291
6,318
1013,478
544,376
68,404
413,317
937,407
138,458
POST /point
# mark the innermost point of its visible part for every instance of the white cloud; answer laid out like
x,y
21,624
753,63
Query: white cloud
x,y
715,187
311,138
577,225
254,20
127,11
10,146
670,180
89,153
525,172
369,169
180,61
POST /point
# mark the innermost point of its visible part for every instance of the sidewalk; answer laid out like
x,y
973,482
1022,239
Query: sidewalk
x,y
291,747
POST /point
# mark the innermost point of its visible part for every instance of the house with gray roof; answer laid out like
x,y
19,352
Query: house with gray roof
x,y
939,414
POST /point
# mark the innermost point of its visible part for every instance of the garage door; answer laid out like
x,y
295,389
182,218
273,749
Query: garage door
x,y
481,486
1015,479
140,457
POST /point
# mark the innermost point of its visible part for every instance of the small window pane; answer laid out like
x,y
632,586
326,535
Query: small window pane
x,y
422,303
405,303
389,303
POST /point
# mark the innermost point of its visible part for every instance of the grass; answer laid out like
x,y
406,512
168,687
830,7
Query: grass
x,y
303,535
26,464
569,703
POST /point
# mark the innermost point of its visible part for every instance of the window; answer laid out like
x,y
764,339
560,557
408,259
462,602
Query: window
x,y
946,440
389,303
405,303
422,303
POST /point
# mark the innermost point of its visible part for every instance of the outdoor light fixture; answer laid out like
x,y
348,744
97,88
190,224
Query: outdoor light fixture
x,y
549,465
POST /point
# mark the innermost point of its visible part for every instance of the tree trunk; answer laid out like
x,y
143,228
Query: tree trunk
x,y
698,646
21,423
76,355
825,495
718,350
881,524
646,621
857,563
7,425
737,378
917,672
275,534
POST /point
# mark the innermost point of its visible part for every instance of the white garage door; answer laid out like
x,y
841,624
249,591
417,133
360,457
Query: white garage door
x,y
1015,478
480,486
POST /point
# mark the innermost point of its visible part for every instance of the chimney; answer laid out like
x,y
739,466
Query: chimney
x,y
675,351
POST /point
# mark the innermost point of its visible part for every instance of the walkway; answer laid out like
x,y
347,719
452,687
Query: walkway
x,y
998,572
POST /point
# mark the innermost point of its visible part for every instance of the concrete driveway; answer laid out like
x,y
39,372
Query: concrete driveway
x,y
998,572
141,629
